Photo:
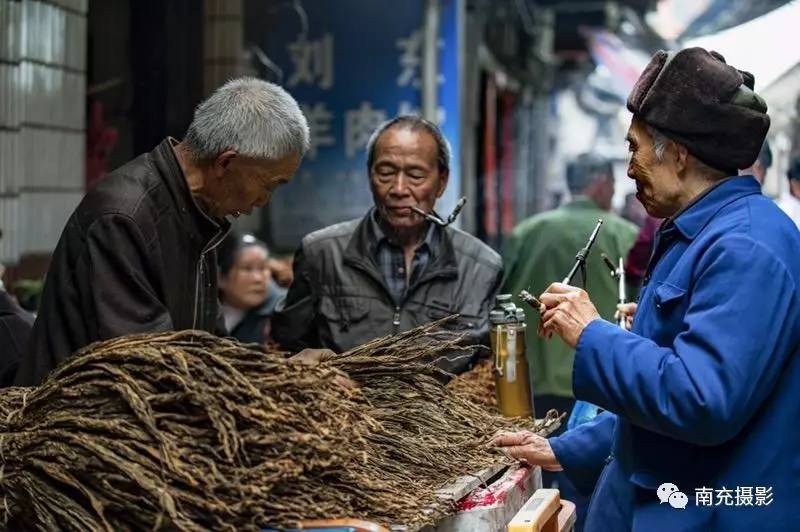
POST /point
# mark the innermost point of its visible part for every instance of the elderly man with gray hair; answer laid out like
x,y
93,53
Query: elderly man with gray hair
x,y
137,255
392,269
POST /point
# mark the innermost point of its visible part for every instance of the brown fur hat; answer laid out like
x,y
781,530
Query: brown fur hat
x,y
695,98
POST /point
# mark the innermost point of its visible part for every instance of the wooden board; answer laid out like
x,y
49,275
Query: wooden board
x,y
463,486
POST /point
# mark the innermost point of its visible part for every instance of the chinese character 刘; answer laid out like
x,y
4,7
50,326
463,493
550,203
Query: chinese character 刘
x,y
313,61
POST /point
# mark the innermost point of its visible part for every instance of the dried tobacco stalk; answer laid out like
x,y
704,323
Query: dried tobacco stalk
x,y
186,431
478,385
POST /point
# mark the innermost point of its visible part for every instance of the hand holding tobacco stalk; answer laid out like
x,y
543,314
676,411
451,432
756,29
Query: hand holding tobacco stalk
x,y
568,310
565,309
530,299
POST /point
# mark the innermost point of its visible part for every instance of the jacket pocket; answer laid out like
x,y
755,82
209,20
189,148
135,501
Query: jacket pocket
x,y
342,312
609,463
468,315
645,480
667,295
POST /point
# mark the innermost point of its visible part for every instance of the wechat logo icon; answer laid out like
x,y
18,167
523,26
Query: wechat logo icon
x,y
669,493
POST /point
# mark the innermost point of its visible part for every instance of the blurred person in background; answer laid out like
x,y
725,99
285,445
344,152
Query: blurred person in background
x,y
248,292
541,250
392,270
138,253
759,168
15,327
789,201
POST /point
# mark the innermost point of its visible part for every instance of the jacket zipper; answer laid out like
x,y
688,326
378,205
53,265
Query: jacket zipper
x,y
199,272
429,276
198,275
419,282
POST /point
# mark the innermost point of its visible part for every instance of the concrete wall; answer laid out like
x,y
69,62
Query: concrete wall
x,y
42,120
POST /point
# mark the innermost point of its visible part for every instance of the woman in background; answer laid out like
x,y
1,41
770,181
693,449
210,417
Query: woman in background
x,y
247,291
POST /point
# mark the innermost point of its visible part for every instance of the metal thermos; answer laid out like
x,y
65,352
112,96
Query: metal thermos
x,y
507,337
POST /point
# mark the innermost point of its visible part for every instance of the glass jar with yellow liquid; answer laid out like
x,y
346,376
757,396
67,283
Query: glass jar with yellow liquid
x,y
507,336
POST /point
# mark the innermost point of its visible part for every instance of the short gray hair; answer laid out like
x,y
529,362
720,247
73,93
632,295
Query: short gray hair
x,y
254,117
660,141
413,123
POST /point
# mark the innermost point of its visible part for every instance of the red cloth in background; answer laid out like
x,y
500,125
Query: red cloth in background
x,y
507,163
490,199
100,140
639,255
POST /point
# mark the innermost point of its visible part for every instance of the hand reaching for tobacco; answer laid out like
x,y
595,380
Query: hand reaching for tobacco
x,y
312,357
568,310
527,447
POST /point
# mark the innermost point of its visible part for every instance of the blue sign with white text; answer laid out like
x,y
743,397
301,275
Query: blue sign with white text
x,y
359,64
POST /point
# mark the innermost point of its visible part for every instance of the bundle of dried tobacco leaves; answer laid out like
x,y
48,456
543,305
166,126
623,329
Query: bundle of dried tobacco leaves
x,y
187,431
477,384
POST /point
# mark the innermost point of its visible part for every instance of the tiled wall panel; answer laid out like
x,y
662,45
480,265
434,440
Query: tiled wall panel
x,y
42,120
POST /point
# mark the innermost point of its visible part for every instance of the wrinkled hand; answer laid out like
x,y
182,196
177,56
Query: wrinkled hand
x,y
627,310
568,311
281,270
527,447
311,356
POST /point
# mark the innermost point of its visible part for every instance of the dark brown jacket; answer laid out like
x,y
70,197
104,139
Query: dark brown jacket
x,y
137,255
339,299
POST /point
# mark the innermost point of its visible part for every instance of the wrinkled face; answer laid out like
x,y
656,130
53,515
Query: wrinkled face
x,y
658,186
236,184
245,285
405,172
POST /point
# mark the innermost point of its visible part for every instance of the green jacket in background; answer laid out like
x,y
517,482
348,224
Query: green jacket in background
x,y
541,250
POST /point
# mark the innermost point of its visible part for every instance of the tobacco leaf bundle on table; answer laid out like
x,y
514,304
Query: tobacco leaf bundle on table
x,y
186,431
477,385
